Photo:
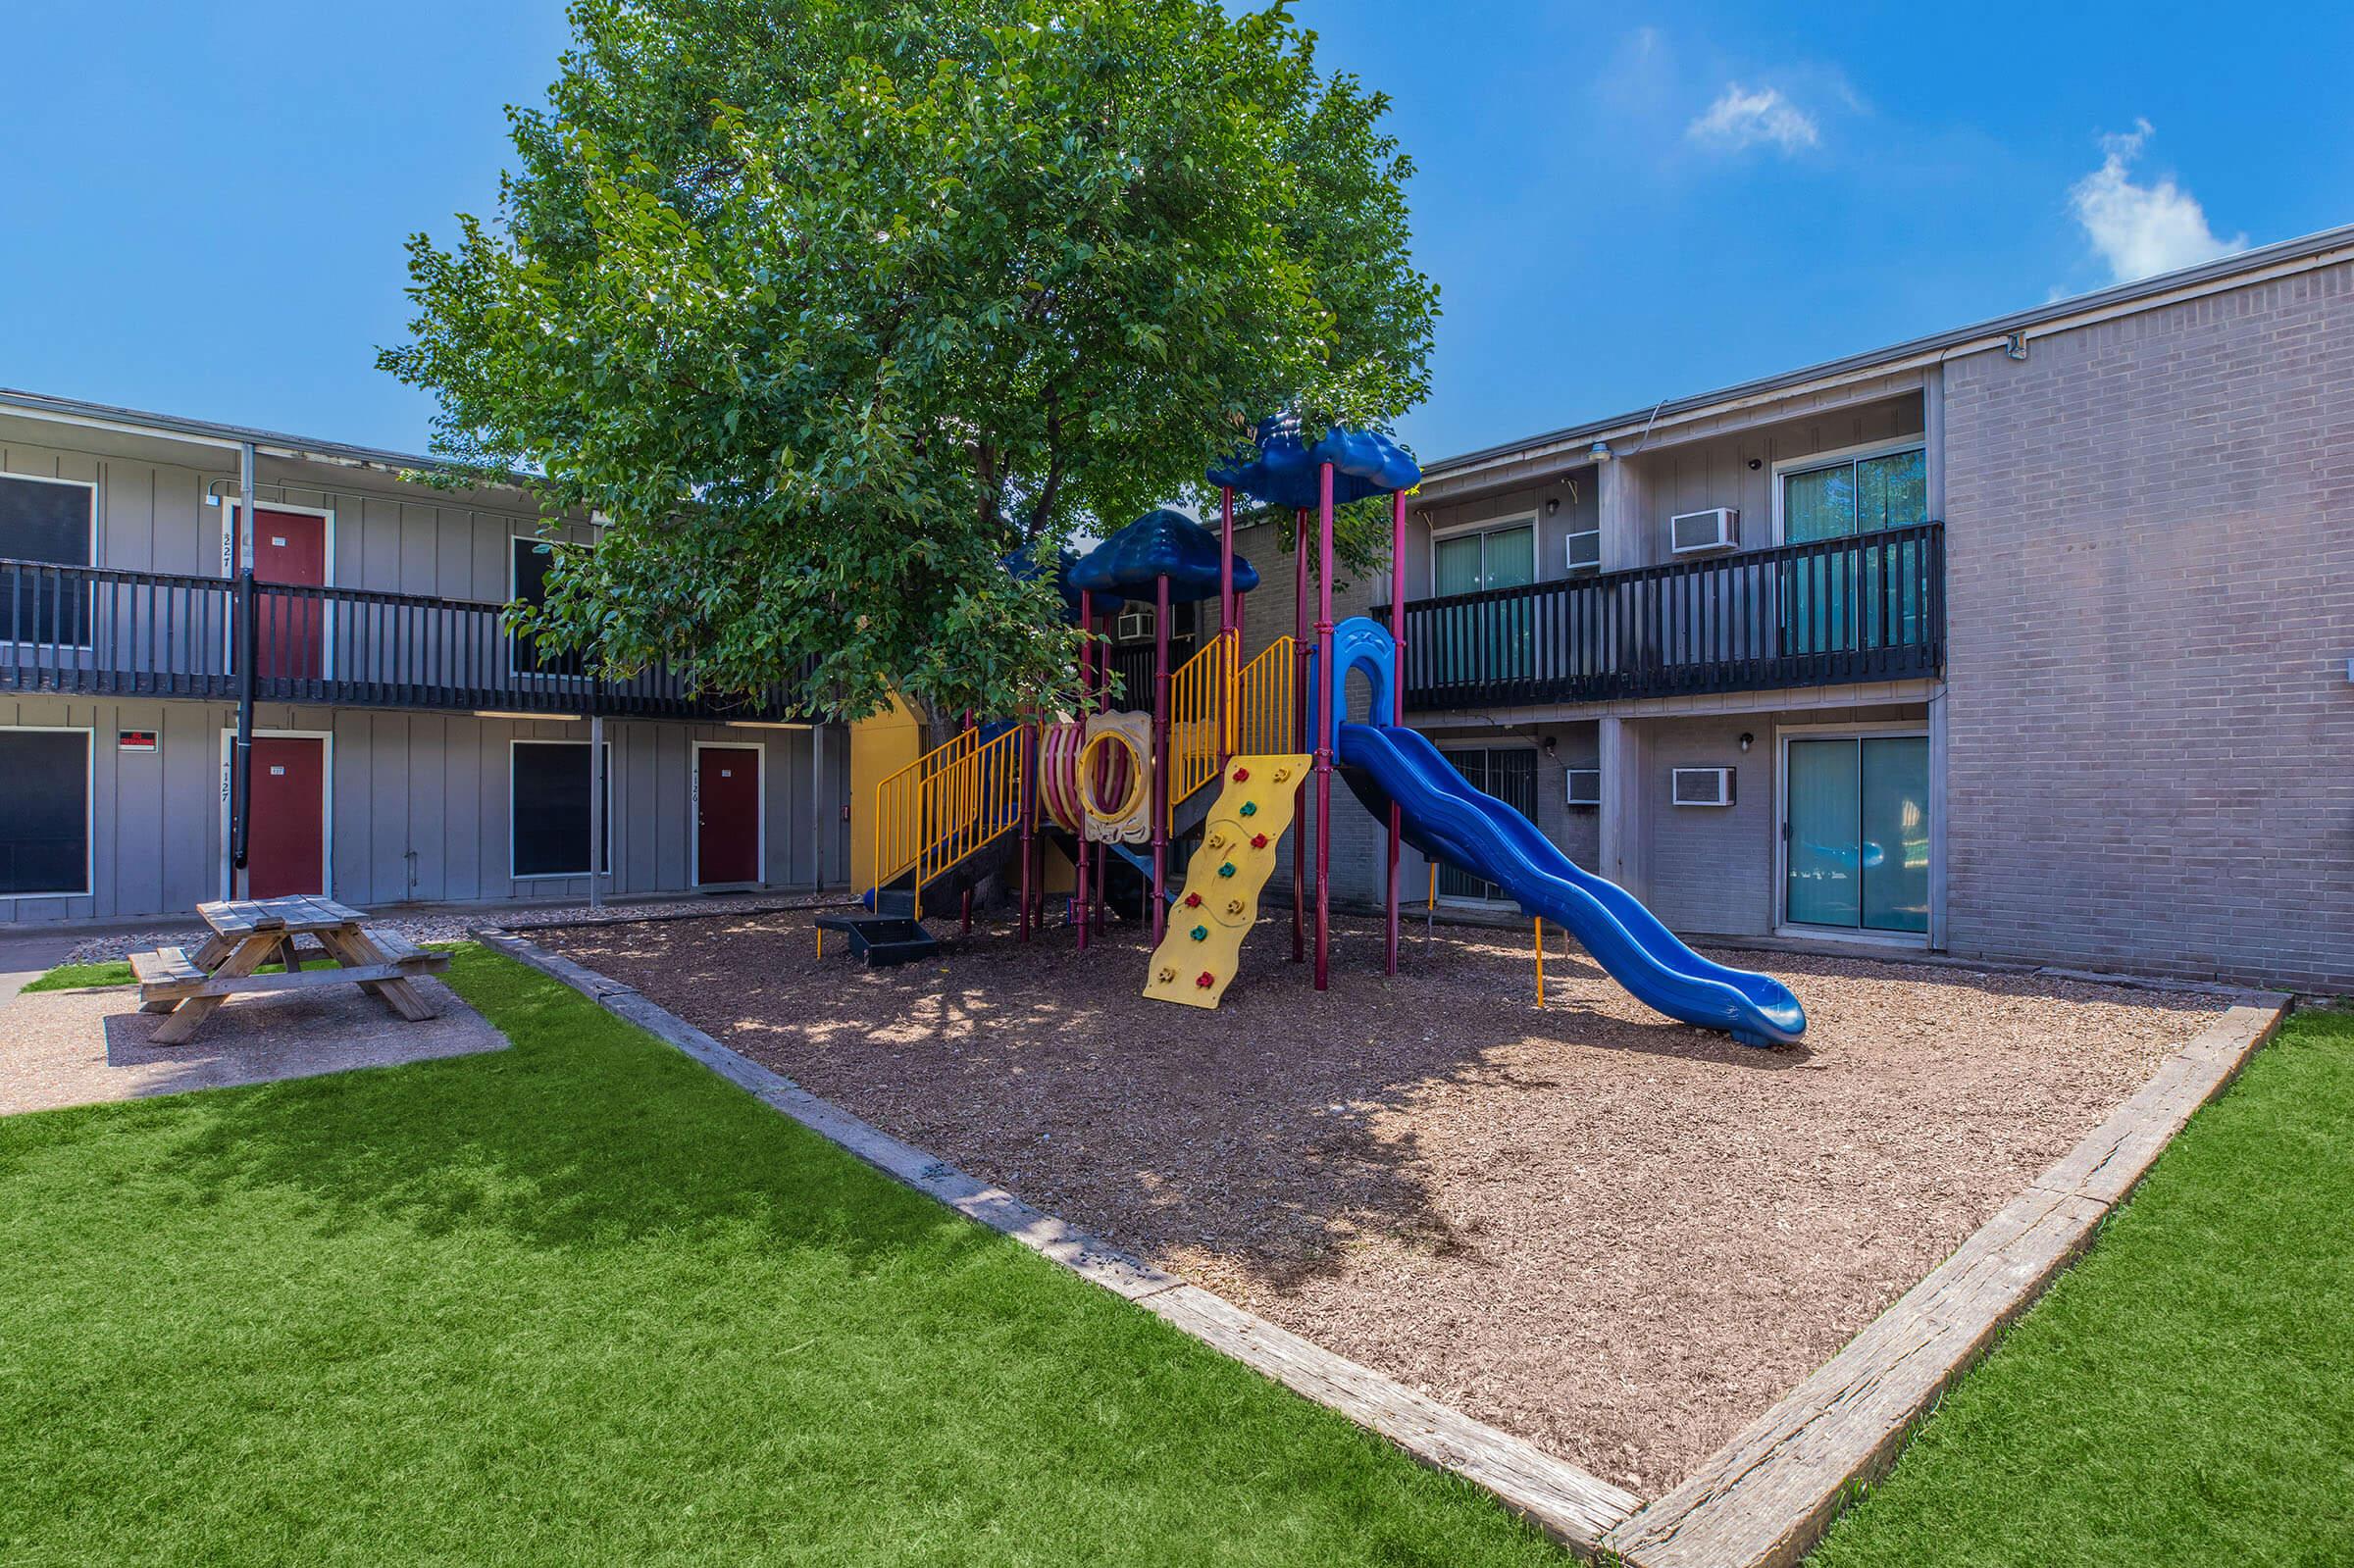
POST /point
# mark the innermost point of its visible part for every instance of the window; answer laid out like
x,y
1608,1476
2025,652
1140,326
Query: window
x,y
45,832
1509,774
528,584
548,808
1853,495
53,522
1502,554
1489,642
1866,598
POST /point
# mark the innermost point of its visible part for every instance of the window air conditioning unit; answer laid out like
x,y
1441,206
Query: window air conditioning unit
x,y
1585,787
1716,528
1135,623
1701,786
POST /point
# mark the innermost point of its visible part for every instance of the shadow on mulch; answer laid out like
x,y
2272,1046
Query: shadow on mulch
x,y
1248,1131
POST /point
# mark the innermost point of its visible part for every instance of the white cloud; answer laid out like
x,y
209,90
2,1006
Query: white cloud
x,y
1741,117
2141,230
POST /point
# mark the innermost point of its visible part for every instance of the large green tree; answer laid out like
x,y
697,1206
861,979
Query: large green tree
x,y
825,306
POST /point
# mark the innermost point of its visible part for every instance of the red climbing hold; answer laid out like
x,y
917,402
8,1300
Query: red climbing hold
x,y
1258,840
1242,776
1207,981
1193,900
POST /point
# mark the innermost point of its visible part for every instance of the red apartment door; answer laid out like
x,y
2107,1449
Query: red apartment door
x,y
286,845
290,638
727,815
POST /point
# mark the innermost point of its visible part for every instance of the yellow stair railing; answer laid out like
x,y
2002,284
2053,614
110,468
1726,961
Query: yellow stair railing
x,y
944,806
1198,703
1262,715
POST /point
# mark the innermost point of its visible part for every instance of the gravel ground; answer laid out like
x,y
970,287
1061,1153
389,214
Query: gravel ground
x,y
1615,1236
452,925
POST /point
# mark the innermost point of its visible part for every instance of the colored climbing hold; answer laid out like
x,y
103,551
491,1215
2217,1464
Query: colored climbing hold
x,y
1207,981
1234,906
1250,808
1242,776
1227,870
1281,774
1193,900
1200,933
1167,973
1258,840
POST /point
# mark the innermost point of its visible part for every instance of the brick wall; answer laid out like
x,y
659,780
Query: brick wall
x,y
2151,577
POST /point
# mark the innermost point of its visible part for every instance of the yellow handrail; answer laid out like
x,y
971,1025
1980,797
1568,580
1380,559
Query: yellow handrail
x,y
944,806
1200,719
1261,719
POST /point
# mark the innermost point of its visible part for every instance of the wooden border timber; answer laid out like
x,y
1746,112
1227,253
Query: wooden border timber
x,y
1766,1497
1569,1504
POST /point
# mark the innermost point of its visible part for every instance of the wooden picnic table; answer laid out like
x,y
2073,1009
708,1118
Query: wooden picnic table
x,y
248,932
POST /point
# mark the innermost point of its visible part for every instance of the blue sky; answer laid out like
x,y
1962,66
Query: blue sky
x,y
206,204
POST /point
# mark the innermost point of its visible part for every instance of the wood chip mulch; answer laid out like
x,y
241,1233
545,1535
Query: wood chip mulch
x,y
1615,1236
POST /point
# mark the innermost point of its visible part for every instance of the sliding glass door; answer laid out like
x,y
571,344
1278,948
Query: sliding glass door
x,y
1855,832
1836,603
1497,643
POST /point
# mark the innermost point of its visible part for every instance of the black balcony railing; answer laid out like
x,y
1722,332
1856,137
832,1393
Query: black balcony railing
x,y
1830,613
100,632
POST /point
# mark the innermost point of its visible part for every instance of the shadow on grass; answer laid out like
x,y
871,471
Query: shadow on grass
x,y
581,1136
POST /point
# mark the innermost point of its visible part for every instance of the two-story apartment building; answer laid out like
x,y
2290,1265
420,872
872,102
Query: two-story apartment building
x,y
405,744
2030,641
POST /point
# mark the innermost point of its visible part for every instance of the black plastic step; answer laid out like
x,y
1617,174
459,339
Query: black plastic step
x,y
883,940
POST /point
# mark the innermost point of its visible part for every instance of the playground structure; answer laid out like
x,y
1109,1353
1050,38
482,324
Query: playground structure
x,y
1101,787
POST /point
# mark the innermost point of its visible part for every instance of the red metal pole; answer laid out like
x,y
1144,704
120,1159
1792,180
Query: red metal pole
x,y
1087,680
1161,754
1396,710
1026,802
1102,705
1226,608
1327,723
1300,724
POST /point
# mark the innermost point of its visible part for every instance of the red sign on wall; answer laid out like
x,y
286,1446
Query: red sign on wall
x,y
136,739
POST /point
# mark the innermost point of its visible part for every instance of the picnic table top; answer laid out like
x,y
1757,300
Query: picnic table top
x,y
296,915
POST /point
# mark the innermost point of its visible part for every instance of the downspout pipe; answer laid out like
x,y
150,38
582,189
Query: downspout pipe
x,y
247,609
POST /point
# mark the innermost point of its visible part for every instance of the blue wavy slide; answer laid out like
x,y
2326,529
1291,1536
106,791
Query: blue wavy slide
x,y
1441,815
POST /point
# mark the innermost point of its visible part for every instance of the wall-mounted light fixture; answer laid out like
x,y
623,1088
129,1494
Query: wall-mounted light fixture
x,y
1600,452
1756,463
1748,741
1549,745
1552,505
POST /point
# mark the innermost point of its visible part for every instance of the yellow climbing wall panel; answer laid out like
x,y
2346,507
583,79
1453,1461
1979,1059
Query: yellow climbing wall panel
x,y
1197,960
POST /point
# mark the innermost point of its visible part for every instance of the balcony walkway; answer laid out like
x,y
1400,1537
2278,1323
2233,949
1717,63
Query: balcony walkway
x,y
1838,612
102,632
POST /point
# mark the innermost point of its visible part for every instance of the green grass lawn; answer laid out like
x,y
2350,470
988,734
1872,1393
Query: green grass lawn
x,y
2185,1395
117,971
584,1302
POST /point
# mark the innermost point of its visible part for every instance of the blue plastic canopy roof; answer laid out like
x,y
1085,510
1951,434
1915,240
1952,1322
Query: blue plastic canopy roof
x,y
1283,471
1160,544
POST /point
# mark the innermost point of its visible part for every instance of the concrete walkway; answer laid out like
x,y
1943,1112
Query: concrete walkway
x,y
81,1047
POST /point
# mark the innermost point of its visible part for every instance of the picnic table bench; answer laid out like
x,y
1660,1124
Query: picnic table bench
x,y
248,932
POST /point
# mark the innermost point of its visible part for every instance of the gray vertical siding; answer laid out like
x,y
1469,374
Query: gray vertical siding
x,y
1713,870
389,536
419,805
